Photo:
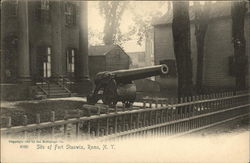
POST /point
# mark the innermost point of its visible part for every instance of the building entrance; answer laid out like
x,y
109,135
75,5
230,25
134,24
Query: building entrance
x,y
44,63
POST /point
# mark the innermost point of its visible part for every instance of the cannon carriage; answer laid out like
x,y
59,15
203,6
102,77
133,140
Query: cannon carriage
x,y
114,86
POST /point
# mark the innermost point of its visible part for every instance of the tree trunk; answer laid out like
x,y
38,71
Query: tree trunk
x,y
238,11
201,25
181,38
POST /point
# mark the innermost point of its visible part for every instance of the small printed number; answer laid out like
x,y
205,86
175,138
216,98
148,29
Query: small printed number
x,y
24,146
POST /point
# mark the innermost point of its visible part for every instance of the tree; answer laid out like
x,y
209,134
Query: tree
x,y
143,21
181,40
112,12
201,25
238,11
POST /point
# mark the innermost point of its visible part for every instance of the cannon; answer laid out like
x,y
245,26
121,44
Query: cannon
x,y
114,86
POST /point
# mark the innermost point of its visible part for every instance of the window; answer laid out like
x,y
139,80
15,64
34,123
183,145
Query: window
x,y
44,11
71,52
44,61
12,8
47,63
70,14
45,4
172,72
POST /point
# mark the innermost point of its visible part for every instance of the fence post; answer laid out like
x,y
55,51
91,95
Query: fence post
x,y
171,109
123,107
65,125
88,130
144,105
52,118
115,109
156,116
161,101
180,108
190,100
107,126
102,132
98,128
115,124
78,123
93,134
38,121
185,107
9,122
98,110
25,122
123,122
144,119
111,130
131,121
162,116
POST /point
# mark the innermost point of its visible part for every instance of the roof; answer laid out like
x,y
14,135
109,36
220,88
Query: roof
x,y
136,53
102,50
219,9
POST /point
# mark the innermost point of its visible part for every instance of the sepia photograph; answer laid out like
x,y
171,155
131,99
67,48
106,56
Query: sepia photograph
x,y
124,81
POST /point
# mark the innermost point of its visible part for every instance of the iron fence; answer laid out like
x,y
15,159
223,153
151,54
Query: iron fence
x,y
158,118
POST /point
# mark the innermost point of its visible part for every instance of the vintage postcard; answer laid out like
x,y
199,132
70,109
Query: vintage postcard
x,y
124,81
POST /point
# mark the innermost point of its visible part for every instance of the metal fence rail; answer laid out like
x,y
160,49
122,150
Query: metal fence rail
x,y
166,118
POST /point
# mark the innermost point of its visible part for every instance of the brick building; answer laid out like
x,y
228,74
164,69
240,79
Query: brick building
x,y
40,40
217,52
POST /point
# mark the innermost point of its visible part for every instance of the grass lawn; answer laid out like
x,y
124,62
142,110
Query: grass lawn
x,y
17,109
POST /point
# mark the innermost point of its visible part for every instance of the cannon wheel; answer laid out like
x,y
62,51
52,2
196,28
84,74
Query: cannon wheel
x,y
109,94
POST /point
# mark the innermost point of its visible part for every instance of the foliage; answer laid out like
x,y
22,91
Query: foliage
x,y
94,37
143,21
112,12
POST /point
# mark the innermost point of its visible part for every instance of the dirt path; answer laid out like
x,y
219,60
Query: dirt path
x,y
235,126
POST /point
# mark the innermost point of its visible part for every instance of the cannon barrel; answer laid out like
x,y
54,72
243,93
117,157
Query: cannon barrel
x,y
140,73
118,85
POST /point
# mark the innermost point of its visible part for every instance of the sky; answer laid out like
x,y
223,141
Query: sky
x,y
143,8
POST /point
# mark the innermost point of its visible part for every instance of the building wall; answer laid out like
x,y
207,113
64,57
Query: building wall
x,y
9,30
218,47
68,37
139,59
96,64
149,47
164,49
54,33
117,59
216,58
